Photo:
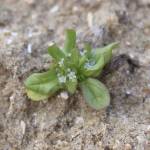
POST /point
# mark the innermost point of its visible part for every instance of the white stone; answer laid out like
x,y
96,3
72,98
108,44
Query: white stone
x,y
14,34
23,126
128,43
29,48
30,34
54,9
9,41
90,19
79,120
64,95
128,92
51,43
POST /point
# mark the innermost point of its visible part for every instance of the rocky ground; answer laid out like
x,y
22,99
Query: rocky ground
x,y
26,29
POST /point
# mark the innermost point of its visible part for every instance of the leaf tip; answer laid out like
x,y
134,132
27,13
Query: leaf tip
x,y
115,45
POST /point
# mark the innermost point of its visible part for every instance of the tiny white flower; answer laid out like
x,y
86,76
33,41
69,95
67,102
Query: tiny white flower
x,y
89,64
86,65
82,53
72,75
92,63
61,62
62,79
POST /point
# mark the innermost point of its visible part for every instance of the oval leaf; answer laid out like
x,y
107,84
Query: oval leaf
x,y
88,48
82,60
95,93
43,83
95,69
74,56
55,52
105,51
70,41
36,96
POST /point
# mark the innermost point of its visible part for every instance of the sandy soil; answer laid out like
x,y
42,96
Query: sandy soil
x,y
26,29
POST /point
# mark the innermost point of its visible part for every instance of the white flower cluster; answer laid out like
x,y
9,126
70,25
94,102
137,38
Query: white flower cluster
x,y
70,75
89,64
61,62
62,79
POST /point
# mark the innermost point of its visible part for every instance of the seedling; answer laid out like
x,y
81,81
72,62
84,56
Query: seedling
x,y
72,68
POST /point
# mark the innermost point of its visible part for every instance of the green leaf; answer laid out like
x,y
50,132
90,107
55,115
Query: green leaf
x,y
105,51
82,60
95,93
95,69
70,41
55,52
74,56
88,49
43,83
71,86
36,96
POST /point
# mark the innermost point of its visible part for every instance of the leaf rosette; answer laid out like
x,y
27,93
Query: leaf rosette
x,y
70,68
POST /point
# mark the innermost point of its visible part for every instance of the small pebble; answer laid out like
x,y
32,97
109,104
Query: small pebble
x,y
128,92
128,147
79,120
29,48
54,9
23,126
64,95
90,19
11,98
30,34
128,43
9,41
128,72
50,43
14,34
131,56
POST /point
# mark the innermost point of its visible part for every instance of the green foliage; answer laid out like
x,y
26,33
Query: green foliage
x,y
71,67
70,41
95,93
55,52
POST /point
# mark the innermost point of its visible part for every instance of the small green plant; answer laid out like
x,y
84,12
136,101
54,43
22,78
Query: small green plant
x,y
72,68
